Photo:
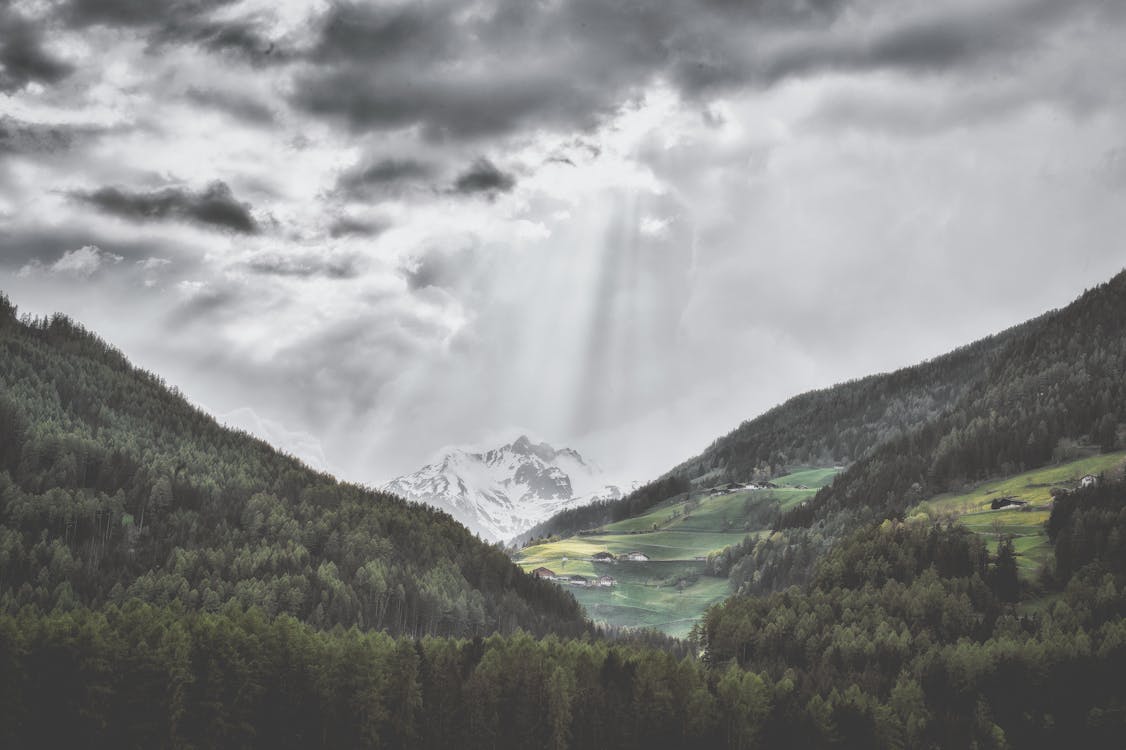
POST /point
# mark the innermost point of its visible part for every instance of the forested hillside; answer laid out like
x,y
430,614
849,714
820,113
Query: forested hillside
x,y
113,487
1056,382
916,621
841,424
905,638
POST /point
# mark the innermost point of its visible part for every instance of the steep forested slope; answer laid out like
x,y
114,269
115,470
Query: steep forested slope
x,y
113,487
841,424
1061,378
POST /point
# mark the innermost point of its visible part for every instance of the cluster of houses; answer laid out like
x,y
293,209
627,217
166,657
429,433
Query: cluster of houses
x,y
634,556
604,581
548,574
1001,503
727,489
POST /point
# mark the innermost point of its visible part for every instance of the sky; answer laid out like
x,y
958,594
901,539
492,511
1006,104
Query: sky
x,y
366,231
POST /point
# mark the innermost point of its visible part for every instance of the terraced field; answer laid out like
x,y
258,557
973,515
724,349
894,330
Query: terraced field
x,y
672,590
1026,524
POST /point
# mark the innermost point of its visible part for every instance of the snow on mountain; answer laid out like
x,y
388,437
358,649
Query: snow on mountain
x,y
505,491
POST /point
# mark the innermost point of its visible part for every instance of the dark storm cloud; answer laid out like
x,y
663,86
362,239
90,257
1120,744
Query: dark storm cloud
x,y
23,59
943,39
418,64
483,177
567,64
137,12
175,21
305,266
382,175
215,206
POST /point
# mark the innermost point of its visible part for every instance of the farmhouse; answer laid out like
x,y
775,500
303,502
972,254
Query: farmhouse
x,y
1089,481
636,556
546,573
1007,502
602,557
577,580
607,581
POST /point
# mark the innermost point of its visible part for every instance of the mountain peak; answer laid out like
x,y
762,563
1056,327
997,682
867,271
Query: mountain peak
x,y
523,444
501,493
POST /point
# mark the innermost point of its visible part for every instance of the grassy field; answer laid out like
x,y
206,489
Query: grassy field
x,y
670,592
812,477
1025,524
664,607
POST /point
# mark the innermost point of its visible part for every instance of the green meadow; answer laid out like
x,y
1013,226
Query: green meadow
x,y
672,590
1026,524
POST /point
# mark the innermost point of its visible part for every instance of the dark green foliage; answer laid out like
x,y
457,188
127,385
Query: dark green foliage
x,y
1088,529
897,642
1059,377
841,424
904,638
147,676
113,487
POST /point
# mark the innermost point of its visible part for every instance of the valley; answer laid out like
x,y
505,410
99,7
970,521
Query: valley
x,y
673,588
859,567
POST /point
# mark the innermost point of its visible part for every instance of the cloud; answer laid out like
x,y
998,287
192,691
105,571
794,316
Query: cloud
x,y
203,302
483,177
23,59
653,226
215,206
22,137
442,267
305,266
686,182
382,175
83,262
235,103
153,264
346,226
516,66
178,21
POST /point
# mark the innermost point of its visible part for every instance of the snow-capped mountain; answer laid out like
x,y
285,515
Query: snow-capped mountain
x,y
506,491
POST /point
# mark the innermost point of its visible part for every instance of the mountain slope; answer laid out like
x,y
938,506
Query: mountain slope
x,y
505,491
113,487
1058,382
826,427
839,425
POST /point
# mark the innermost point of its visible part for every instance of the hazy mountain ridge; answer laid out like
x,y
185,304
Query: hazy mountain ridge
x,y
504,491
